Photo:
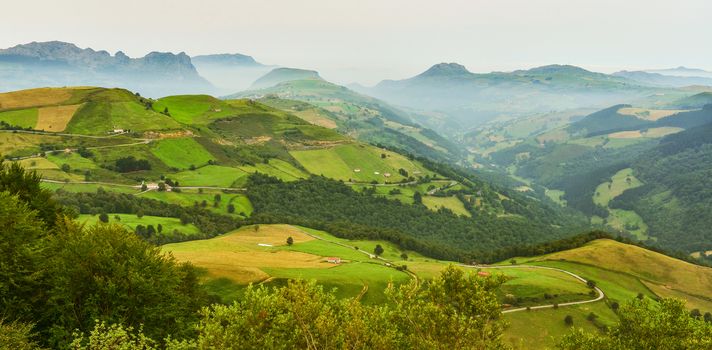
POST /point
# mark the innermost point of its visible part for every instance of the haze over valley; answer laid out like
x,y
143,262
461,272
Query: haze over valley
x,y
356,175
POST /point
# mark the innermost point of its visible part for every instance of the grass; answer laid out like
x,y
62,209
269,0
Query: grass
x,y
622,220
531,286
25,118
649,114
239,257
628,220
74,160
342,162
192,109
663,131
110,109
452,203
643,264
34,98
211,175
620,182
190,197
88,188
621,271
542,329
55,118
557,196
38,164
181,153
277,168
131,221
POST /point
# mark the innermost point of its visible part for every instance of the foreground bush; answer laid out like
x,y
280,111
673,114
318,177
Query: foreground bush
x,y
644,325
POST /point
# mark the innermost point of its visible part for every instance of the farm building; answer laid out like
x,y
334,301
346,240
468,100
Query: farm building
x,y
333,260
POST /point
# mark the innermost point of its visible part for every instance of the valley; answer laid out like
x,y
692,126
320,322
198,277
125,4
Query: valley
x,y
208,200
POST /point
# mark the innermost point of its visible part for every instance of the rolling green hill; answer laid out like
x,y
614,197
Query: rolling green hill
x,y
89,111
362,117
281,75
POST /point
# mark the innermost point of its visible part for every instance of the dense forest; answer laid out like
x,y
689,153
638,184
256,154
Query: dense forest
x,y
577,170
676,199
332,206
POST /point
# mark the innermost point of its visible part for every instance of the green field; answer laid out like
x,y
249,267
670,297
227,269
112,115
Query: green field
x,y
25,118
192,109
620,182
210,175
131,221
188,198
277,168
542,329
452,203
70,187
112,109
556,196
358,163
181,153
533,286
622,220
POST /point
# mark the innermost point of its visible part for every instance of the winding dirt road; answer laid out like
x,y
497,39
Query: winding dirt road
x,y
600,296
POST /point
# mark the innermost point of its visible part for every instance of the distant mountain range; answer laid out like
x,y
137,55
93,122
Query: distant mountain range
x,y
682,72
469,99
57,63
659,79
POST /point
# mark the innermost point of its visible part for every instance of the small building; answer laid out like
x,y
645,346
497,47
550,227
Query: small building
x,y
333,260
483,273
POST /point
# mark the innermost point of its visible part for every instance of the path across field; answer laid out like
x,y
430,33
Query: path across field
x,y
600,296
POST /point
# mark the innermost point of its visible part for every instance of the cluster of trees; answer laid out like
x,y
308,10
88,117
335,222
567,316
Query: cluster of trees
x,y
209,223
130,163
645,324
60,277
302,315
332,206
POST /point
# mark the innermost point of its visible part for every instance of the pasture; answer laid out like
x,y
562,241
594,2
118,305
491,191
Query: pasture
x,y
210,175
110,109
181,153
188,198
358,163
130,221
649,114
620,182
25,118
191,109
55,118
34,98
452,203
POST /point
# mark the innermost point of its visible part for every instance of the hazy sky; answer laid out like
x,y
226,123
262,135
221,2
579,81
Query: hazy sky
x,y
368,40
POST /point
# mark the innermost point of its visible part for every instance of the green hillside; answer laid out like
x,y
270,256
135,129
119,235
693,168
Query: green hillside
x,y
676,190
281,75
362,117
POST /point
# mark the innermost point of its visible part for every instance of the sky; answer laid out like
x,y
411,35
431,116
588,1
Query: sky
x,y
366,41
